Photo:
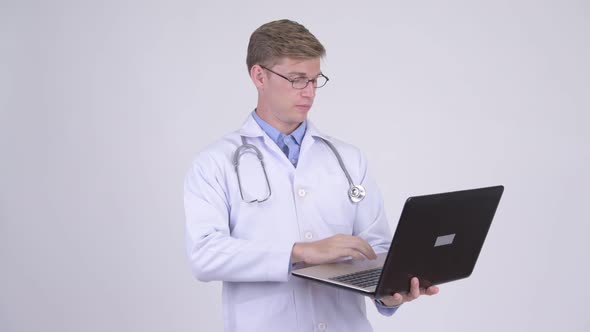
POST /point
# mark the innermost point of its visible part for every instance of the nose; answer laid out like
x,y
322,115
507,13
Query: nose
x,y
309,91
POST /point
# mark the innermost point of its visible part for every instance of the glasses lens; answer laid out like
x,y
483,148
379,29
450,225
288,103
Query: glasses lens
x,y
300,83
321,81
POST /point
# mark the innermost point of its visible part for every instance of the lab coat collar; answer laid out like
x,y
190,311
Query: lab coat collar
x,y
251,129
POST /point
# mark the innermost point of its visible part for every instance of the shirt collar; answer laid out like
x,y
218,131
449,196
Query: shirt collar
x,y
275,134
251,129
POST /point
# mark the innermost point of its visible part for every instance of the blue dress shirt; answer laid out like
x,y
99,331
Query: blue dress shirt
x,y
289,144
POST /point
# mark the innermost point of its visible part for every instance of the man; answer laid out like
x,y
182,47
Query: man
x,y
285,202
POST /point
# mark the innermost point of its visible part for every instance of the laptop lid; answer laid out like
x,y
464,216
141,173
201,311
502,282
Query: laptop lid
x,y
438,239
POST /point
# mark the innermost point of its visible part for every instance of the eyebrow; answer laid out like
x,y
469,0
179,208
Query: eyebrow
x,y
298,73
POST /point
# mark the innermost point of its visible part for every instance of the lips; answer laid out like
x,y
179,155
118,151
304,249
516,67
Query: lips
x,y
303,107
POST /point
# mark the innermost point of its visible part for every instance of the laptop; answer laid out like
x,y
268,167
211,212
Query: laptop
x,y
438,239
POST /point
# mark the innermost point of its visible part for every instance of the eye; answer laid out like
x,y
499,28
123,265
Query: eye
x,y
300,80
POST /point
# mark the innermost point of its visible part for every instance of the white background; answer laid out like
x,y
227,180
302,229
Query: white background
x,y
104,104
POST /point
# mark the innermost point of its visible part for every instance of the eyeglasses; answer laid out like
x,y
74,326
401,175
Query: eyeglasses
x,y
301,83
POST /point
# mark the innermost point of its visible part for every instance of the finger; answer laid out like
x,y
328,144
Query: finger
x,y
364,247
393,300
414,288
432,290
355,243
372,254
367,252
354,254
357,251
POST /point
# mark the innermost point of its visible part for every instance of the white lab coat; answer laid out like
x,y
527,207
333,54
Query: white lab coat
x,y
248,246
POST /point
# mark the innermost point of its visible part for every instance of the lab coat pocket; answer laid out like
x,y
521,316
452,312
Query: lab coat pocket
x,y
274,311
333,204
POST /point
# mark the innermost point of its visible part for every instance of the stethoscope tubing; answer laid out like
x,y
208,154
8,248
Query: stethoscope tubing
x,y
356,193
236,161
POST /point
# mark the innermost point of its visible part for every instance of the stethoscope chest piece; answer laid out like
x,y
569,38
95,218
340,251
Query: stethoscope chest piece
x,y
357,193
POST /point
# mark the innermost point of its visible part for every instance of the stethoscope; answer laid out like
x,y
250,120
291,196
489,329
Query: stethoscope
x,y
356,192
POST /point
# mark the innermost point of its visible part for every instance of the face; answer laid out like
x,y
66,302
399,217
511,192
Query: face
x,y
279,104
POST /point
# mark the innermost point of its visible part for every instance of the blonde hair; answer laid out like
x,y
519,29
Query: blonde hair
x,y
279,39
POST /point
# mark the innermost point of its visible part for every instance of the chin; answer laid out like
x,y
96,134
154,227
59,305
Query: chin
x,y
300,117
302,111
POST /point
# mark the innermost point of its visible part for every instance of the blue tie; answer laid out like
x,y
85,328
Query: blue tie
x,y
290,149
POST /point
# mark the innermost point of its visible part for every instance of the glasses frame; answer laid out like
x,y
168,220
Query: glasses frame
x,y
292,81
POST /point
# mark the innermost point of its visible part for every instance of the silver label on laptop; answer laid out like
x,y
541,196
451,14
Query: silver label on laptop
x,y
444,240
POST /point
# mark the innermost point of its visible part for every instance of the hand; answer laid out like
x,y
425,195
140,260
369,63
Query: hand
x,y
415,292
332,248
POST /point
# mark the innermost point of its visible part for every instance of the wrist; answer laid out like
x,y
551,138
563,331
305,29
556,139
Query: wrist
x,y
297,255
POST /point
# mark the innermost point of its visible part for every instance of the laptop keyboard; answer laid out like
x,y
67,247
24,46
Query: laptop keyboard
x,y
364,279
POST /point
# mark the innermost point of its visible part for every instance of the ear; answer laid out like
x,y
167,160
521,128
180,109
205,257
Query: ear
x,y
257,76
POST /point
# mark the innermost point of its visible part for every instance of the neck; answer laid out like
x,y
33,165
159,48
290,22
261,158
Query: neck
x,y
284,127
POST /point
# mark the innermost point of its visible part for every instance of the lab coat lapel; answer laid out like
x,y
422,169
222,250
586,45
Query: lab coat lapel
x,y
309,138
251,129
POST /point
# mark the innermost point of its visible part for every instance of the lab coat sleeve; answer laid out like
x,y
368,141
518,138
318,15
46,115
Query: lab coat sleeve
x,y
371,222
385,310
213,253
